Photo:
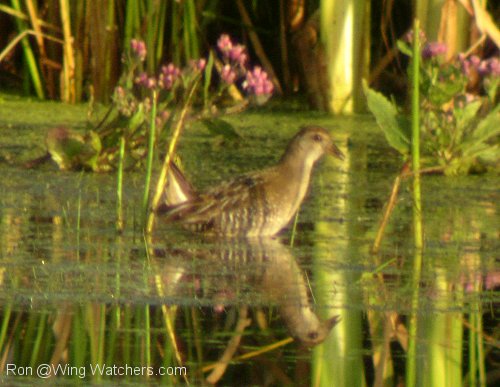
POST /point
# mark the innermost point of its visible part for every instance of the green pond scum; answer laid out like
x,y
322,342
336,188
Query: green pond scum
x,y
80,301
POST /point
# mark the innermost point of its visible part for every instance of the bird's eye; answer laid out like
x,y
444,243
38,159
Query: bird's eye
x,y
312,335
317,138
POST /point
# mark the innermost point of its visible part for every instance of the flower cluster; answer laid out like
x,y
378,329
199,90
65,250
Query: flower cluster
x,y
199,64
485,68
235,53
228,74
255,81
145,81
409,36
233,71
138,48
168,76
433,49
166,79
125,103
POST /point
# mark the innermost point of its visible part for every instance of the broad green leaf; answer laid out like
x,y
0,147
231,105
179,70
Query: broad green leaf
x,y
387,118
491,86
488,127
71,150
442,92
477,144
404,48
137,119
466,116
490,155
92,150
64,146
465,119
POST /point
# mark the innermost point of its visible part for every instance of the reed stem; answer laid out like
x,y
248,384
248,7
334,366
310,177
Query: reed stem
x,y
162,179
119,187
28,53
149,166
68,76
40,331
411,359
7,310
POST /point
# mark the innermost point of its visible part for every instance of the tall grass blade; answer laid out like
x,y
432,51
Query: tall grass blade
x,y
162,179
119,187
68,79
411,359
149,165
29,56
132,21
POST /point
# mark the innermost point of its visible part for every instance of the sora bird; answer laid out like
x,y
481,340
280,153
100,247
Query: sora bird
x,y
256,204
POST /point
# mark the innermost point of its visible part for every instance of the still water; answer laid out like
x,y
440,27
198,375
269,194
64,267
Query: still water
x,y
78,301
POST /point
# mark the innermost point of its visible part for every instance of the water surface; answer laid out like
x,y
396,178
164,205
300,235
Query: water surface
x,y
74,292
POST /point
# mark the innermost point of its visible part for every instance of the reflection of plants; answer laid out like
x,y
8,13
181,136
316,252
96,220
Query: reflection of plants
x,y
459,130
212,82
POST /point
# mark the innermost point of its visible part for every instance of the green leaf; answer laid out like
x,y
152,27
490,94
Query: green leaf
x,y
208,78
487,129
491,85
137,119
489,126
404,48
466,115
64,146
490,155
71,150
442,92
465,119
93,148
393,126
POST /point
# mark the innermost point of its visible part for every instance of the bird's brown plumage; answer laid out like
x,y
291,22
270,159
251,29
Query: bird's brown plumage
x,y
259,203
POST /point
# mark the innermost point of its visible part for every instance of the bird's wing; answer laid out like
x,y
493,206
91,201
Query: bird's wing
x,y
207,208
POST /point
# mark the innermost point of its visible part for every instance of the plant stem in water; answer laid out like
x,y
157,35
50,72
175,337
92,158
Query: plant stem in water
x,y
411,359
149,167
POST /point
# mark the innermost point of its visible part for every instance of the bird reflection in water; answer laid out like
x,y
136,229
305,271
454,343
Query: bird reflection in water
x,y
253,272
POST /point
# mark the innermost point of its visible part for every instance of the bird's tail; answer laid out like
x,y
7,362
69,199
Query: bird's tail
x,y
177,189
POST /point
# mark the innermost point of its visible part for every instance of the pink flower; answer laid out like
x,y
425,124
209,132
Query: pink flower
x,y
489,67
138,49
141,79
235,53
224,44
238,54
168,76
201,63
433,49
409,36
151,83
170,69
227,74
198,64
474,61
257,82
464,63
120,91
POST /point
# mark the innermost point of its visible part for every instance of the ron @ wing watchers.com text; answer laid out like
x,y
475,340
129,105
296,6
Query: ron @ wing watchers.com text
x,y
46,370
